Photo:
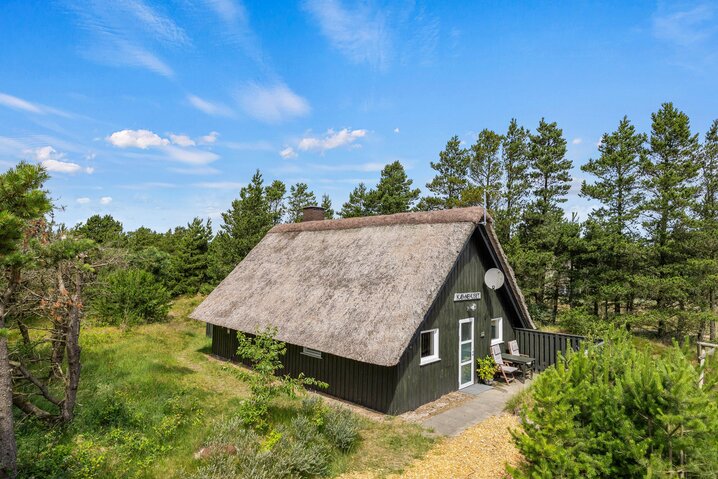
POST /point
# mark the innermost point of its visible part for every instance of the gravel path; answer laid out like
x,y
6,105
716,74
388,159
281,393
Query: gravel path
x,y
480,452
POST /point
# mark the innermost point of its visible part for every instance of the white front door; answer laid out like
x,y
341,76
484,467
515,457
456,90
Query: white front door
x,y
466,352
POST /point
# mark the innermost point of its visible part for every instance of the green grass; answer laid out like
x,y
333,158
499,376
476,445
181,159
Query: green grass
x,y
151,395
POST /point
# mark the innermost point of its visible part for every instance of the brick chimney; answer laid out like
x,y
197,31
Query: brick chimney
x,y
312,213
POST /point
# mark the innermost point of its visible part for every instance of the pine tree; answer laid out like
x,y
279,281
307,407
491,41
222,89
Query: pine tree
x,y
671,170
275,197
327,206
192,258
550,169
359,204
611,227
515,164
23,203
299,198
393,193
485,170
545,235
245,224
103,230
706,240
451,179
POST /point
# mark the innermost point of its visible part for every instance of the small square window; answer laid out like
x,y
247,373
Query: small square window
x,y
497,331
429,343
312,352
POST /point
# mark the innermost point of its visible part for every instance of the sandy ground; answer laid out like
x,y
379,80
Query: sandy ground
x,y
482,451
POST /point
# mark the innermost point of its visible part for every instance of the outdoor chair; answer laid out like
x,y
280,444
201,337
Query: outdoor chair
x,y
514,351
504,368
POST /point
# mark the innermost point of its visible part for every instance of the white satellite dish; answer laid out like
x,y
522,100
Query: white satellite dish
x,y
494,278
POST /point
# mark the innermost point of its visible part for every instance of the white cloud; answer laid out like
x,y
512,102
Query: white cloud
x,y
136,139
210,137
61,166
272,104
220,185
17,103
362,34
89,170
287,153
332,139
83,201
396,130
576,141
106,200
182,140
52,160
208,107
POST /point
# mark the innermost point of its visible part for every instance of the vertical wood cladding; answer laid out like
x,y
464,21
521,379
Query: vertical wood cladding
x,y
418,384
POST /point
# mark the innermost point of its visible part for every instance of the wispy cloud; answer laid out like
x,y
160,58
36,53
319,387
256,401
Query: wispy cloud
x,y
236,28
361,34
272,103
331,139
288,153
209,138
123,33
182,140
220,185
106,200
83,200
208,107
361,167
576,141
686,27
17,103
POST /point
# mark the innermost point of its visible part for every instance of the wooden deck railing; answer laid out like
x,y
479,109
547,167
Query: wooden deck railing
x,y
545,346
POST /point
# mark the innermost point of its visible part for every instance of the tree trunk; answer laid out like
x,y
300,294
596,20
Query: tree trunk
x,y
712,333
8,447
72,346
59,338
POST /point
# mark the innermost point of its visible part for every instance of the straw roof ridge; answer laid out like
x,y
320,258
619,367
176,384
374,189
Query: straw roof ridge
x,y
472,214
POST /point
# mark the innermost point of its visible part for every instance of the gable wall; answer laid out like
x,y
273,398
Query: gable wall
x,y
416,384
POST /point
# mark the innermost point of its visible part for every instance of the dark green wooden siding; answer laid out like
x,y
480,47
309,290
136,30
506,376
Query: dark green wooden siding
x,y
418,384
408,385
362,383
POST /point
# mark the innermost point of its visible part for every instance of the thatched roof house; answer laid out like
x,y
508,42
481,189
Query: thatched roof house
x,y
356,299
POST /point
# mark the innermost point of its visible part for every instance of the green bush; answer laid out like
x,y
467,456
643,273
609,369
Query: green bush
x,y
107,409
617,411
128,297
341,429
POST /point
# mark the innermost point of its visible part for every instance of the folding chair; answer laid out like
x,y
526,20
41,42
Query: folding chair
x,y
504,368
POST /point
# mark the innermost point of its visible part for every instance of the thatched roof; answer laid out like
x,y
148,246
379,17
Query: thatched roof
x,y
357,288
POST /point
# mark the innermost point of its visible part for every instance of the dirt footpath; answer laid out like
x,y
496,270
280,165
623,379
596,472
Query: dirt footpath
x,y
481,451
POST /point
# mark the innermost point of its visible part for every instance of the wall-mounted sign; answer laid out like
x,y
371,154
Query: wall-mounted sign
x,y
467,296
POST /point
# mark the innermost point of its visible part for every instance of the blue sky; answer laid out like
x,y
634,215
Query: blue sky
x,y
156,112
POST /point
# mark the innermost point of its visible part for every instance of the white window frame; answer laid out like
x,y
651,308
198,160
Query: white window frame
x,y
314,353
499,329
434,357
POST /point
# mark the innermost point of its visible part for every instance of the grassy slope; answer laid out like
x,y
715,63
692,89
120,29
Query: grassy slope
x,y
175,393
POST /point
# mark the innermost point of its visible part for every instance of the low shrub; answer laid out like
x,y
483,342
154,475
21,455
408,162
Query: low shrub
x,y
341,429
128,297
